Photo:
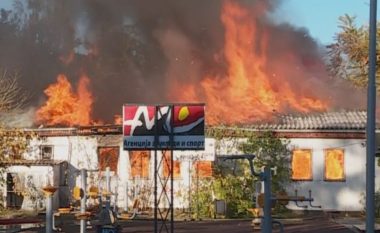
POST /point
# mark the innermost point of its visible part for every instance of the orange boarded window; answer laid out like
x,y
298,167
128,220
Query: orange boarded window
x,y
301,165
166,166
202,169
139,161
108,157
334,165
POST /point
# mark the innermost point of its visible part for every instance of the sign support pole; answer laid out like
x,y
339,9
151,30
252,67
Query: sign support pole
x,y
155,170
171,140
164,181
371,122
143,128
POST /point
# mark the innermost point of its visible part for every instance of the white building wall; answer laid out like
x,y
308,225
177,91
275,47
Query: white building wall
x,y
342,196
33,179
332,196
81,152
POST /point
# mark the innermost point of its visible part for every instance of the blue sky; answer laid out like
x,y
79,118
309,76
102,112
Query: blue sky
x,y
320,17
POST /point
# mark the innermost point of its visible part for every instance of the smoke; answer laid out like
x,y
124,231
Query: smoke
x,y
137,50
300,60
19,118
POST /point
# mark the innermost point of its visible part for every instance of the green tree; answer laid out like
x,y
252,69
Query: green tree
x,y
348,55
233,181
234,184
272,152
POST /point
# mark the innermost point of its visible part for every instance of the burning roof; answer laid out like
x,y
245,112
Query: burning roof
x,y
231,55
342,121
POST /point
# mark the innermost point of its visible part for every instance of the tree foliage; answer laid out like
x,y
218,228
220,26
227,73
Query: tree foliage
x,y
233,182
348,55
270,152
13,142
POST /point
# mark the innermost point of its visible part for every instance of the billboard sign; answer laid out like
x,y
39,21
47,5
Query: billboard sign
x,y
177,127
208,154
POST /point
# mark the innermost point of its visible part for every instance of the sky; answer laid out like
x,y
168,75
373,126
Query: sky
x,y
320,17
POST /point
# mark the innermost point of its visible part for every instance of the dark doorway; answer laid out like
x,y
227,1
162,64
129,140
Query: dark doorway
x,y
14,199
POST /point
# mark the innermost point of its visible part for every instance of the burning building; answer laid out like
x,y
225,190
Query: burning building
x,y
328,158
234,56
249,70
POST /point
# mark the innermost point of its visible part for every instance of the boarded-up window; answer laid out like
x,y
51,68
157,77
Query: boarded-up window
x,y
108,157
166,166
202,169
334,165
139,161
302,165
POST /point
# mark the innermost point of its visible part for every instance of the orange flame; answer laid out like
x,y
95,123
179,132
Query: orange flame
x,y
246,93
118,119
65,107
302,165
334,164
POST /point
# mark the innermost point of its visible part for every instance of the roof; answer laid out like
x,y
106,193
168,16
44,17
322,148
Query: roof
x,y
354,120
38,162
343,120
80,130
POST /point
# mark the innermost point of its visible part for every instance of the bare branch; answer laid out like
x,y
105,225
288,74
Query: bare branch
x,y
12,96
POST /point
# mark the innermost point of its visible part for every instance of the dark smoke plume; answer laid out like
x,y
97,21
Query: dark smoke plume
x,y
133,49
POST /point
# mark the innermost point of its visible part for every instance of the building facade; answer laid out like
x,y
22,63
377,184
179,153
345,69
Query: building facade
x,y
328,155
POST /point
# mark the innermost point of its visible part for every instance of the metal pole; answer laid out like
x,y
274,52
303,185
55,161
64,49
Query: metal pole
x,y
172,171
267,201
171,193
49,213
258,187
108,188
155,170
83,200
190,163
371,121
197,188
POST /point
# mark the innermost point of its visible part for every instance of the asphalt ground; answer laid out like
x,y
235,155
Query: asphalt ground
x,y
312,225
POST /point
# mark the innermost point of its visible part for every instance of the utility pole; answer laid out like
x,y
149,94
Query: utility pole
x,y
83,200
371,121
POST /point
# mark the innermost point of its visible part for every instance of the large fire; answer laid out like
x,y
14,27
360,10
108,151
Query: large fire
x,y
64,106
253,87
247,93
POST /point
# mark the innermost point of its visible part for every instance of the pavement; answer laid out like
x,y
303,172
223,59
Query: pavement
x,y
311,225
314,224
357,224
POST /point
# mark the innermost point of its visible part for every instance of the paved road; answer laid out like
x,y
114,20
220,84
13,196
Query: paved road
x,y
316,225
242,226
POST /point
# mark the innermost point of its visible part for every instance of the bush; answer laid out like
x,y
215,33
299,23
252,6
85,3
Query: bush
x,y
233,182
377,203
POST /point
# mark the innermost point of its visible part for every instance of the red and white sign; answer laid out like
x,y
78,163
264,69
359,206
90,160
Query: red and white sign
x,y
177,127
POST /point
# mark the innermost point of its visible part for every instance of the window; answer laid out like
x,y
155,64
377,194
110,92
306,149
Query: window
x,y
139,161
166,166
302,164
108,157
46,152
202,169
334,165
